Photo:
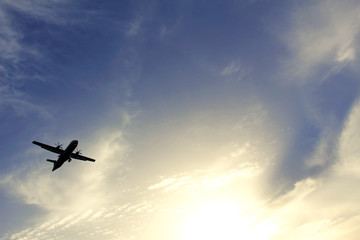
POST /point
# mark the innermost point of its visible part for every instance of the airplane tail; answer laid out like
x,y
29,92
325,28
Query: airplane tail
x,y
53,161
49,160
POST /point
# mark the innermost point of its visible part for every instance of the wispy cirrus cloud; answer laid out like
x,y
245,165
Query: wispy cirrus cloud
x,y
235,71
49,11
32,53
207,179
134,27
12,45
323,36
19,59
324,207
23,108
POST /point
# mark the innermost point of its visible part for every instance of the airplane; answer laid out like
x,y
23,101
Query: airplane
x,y
64,155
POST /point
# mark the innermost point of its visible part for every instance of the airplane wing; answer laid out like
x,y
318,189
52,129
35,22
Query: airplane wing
x,y
81,157
49,148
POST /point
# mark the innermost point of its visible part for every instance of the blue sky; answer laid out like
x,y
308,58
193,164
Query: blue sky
x,y
208,119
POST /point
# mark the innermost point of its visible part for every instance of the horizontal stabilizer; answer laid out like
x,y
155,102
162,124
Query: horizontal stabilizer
x,y
49,160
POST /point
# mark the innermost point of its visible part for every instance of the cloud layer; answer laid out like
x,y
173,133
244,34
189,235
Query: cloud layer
x,y
323,39
220,131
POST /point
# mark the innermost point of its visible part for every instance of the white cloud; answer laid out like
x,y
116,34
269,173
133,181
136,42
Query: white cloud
x,y
14,52
325,207
35,183
231,69
11,48
102,195
317,208
134,27
208,179
49,11
164,32
323,34
235,71
93,203
78,192
9,38
325,149
349,151
23,108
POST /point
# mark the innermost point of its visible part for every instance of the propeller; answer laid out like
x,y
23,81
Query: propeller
x,y
58,145
78,152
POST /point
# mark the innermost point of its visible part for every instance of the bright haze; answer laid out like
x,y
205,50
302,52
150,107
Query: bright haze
x,y
207,119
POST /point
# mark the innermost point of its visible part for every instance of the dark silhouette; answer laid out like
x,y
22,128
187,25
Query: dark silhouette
x,y
65,155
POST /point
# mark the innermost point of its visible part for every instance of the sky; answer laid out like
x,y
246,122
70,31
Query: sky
x,y
235,119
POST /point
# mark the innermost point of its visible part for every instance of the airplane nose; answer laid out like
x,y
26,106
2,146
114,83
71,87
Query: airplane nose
x,y
75,142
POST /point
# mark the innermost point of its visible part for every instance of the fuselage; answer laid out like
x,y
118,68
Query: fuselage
x,y
65,155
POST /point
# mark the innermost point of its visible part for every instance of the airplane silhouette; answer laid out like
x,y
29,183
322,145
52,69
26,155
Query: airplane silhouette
x,y
64,155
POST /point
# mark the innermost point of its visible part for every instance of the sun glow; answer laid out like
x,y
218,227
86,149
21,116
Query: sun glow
x,y
219,220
